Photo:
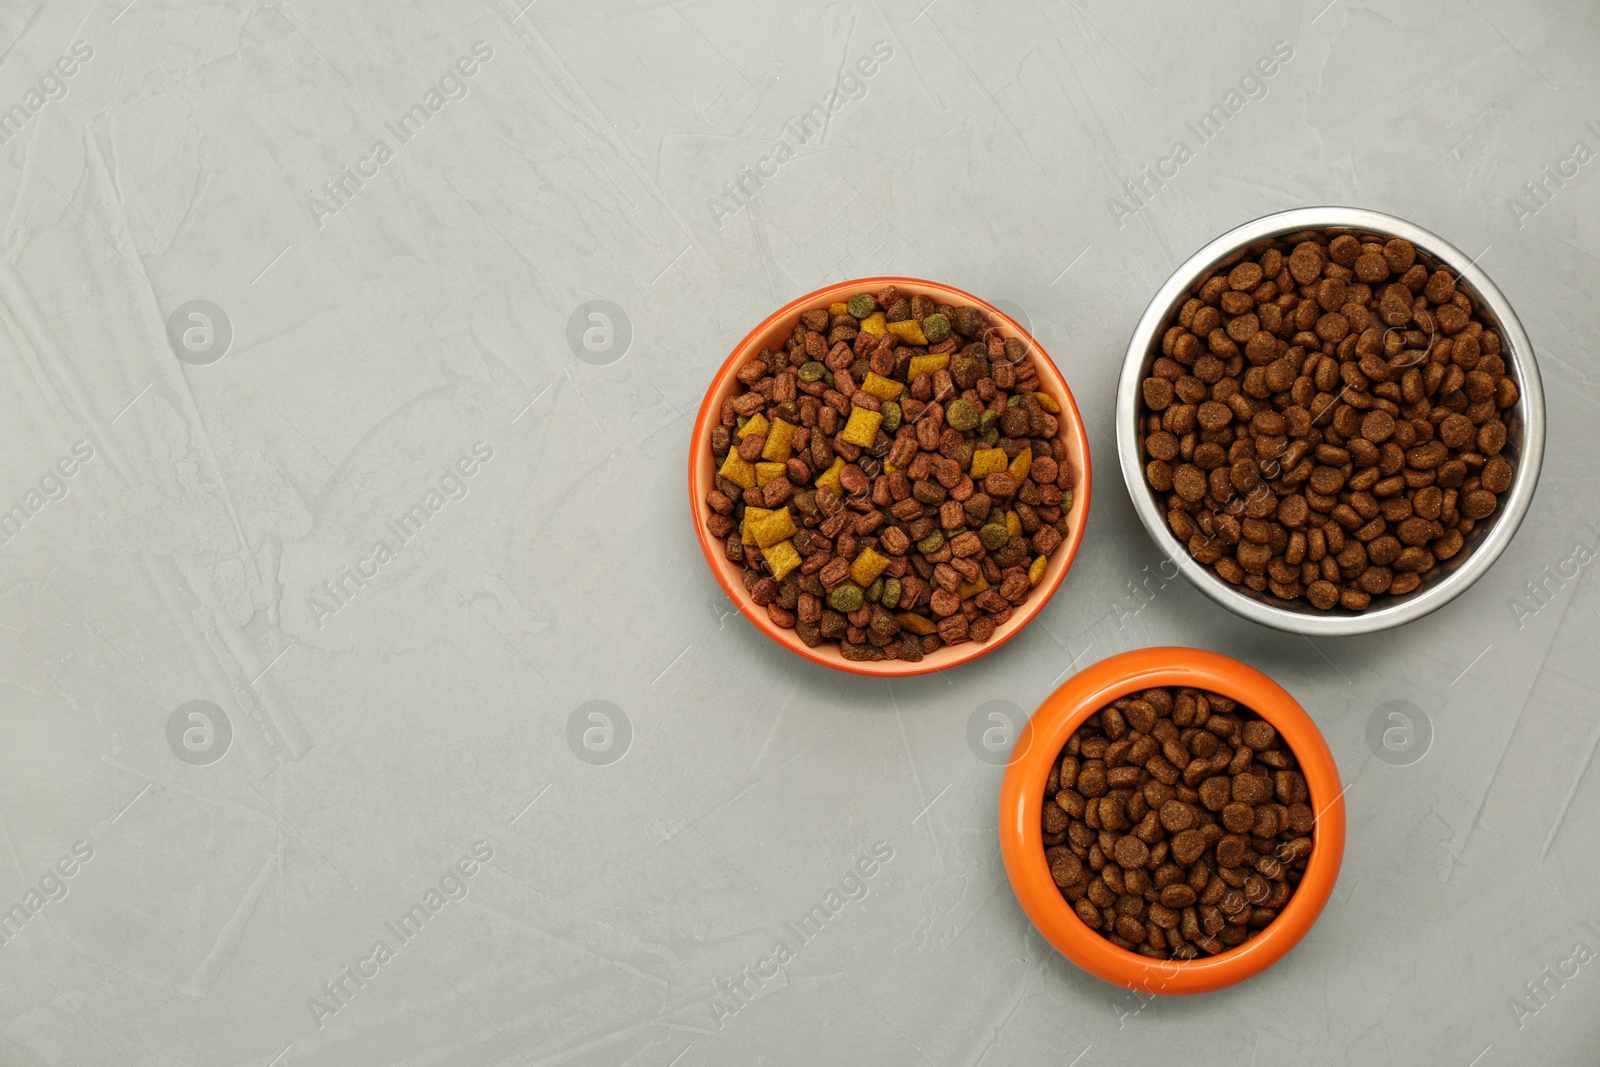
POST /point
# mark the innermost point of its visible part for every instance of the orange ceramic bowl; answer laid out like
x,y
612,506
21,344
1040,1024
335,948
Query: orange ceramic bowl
x,y
772,333
1022,801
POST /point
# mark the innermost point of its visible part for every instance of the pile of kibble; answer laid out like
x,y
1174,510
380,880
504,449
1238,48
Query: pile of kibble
x,y
1327,418
1177,823
891,479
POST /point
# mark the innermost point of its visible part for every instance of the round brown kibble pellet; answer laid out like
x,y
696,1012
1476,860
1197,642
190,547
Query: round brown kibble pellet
x,y
1478,504
1158,394
1178,896
1322,594
1245,276
1176,816
1238,817
1377,426
1251,789
1371,267
1130,852
1258,735
1230,850
1216,792
1213,415
1456,430
1189,481
1496,476
1188,846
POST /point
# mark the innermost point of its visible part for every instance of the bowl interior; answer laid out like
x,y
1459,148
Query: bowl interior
x,y
1524,446
1022,800
772,333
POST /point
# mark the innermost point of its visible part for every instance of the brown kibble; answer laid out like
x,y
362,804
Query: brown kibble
x,y
1187,846
1131,852
1370,383
1238,818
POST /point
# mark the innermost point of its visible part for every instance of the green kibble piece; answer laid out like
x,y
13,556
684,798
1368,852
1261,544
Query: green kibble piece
x,y
963,414
935,328
891,416
1013,401
875,590
993,535
989,436
827,376
1066,501
931,544
846,598
987,420
813,371
862,305
891,593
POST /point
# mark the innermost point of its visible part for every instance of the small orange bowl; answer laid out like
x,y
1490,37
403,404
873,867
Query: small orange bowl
x,y
772,333
1022,802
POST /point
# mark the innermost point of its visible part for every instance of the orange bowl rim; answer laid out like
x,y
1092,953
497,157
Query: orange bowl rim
x,y
702,474
1022,800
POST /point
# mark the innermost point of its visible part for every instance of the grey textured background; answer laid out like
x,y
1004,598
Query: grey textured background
x,y
379,738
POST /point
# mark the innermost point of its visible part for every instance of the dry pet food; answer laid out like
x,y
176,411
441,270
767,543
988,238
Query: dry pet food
x,y
891,478
1176,823
1327,419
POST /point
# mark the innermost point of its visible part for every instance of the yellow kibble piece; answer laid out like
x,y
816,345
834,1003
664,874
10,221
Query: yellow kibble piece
x,y
868,565
751,516
737,470
972,589
838,309
926,365
1048,402
909,331
881,387
862,428
781,559
779,442
1022,465
756,424
875,324
771,528
1036,570
986,461
917,624
1013,524
765,472
830,477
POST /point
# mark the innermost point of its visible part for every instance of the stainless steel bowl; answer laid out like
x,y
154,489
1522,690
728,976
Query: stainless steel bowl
x,y
1524,422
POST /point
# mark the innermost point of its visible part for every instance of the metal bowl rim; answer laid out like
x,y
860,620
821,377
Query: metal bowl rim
x,y
1517,352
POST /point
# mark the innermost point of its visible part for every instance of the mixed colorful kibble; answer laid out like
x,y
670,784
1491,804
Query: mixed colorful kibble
x,y
1327,419
891,479
1176,823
